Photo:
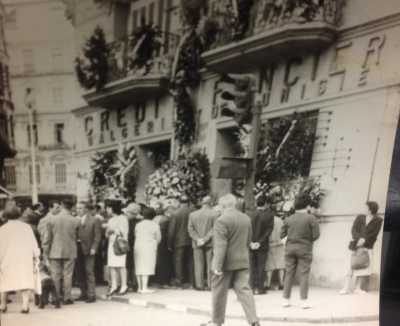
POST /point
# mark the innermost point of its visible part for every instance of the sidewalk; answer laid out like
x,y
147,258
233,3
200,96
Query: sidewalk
x,y
328,305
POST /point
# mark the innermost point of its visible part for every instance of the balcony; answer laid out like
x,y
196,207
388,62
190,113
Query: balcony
x,y
131,81
270,32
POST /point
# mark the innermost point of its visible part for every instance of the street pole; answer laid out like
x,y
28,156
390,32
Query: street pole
x,y
30,107
253,147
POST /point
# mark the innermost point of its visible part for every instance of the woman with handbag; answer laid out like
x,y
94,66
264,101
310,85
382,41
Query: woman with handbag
x,y
364,232
117,234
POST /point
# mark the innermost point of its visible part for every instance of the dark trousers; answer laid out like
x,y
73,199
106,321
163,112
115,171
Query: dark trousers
x,y
130,269
258,259
297,258
183,265
86,276
220,286
202,266
48,288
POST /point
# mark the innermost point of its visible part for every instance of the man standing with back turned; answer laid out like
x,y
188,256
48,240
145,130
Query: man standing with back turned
x,y
60,249
301,230
89,236
200,228
230,264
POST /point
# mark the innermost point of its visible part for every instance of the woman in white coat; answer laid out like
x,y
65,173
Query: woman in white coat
x,y
19,257
147,238
117,225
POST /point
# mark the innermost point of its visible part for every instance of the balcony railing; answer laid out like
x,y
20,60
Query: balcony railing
x,y
133,74
122,63
271,23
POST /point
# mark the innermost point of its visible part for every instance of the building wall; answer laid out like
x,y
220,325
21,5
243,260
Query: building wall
x,y
354,85
42,59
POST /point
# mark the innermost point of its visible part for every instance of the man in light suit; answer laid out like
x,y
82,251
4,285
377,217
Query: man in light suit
x,y
230,264
200,229
89,236
59,248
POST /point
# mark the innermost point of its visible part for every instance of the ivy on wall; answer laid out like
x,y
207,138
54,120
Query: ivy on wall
x,y
92,69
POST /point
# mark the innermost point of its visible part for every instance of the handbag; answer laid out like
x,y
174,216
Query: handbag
x,y
120,245
360,259
353,245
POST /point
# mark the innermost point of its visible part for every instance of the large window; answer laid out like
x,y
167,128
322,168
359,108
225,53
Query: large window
x,y
61,173
28,58
10,176
37,174
59,133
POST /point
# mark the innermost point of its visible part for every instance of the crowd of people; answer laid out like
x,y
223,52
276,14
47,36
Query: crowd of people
x,y
138,248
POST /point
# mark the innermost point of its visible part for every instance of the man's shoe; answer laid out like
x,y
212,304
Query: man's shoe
x,y
68,302
90,300
255,323
286,303
82,298
305,304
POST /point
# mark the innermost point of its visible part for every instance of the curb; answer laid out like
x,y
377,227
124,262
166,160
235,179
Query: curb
x,y
204,312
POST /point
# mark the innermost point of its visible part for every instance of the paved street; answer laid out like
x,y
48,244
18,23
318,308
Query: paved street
x,y
111,313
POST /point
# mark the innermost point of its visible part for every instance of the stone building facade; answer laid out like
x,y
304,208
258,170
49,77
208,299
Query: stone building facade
x,y
338,62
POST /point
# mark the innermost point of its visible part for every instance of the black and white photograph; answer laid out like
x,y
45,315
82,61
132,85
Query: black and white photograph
x,y
199,162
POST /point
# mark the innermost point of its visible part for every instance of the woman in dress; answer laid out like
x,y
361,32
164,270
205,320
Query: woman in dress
x,y
364,233
19,258
147,237
276,254
117,225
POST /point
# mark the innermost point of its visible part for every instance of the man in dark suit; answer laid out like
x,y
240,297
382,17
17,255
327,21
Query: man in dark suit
x,y
200,229
59,248
301,230
89,237
262,221
179,243
230,264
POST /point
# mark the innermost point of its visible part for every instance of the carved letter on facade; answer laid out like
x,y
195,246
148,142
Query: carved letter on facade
x,y
267,78
104,120
375,47
121,122
140,112
89,125
288,81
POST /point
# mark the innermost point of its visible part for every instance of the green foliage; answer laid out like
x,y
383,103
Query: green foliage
x,y
284,160
187,77
92,70
189,175
294,157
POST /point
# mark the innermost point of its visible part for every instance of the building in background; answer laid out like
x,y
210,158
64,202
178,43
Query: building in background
x,y
6,107
40,42
331,62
